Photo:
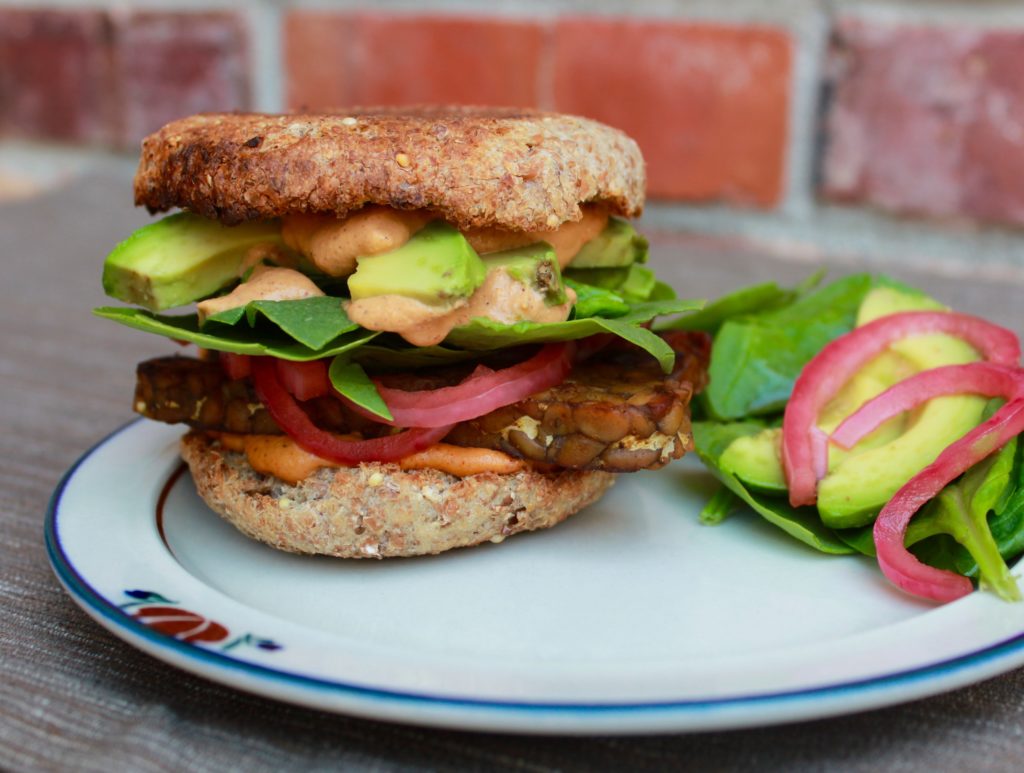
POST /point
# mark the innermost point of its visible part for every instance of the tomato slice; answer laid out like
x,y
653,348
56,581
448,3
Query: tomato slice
x,y
236,365
305,380
299,427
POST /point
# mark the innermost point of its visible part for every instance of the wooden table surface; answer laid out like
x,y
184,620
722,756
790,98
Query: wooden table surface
x,y
73,696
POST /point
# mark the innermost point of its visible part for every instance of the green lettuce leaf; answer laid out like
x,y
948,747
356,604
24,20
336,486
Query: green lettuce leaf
x,y
239,339
312,322
757,357
711,439
962,511
484,334
351,380
593,301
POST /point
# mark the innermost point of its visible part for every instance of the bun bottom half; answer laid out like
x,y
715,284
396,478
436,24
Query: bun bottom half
x,y
378,510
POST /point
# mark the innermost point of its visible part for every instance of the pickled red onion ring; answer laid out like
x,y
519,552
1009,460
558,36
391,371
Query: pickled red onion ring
x,y
283,408
897,563
978,378
483,391
819,381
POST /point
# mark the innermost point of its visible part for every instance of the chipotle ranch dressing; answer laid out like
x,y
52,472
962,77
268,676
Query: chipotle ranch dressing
x,y
333,245
282,457
501,298
567,239
264,284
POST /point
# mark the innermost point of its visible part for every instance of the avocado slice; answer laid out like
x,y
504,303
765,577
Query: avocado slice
x,y
862,480
618,245
436,266
535,265
754,459
856,488
180,259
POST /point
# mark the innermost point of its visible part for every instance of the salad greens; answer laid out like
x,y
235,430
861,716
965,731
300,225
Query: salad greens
x,y
759,351
763,336
238,338
624,304
351,381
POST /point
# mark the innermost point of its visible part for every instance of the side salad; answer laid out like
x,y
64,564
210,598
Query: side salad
x,y
862,416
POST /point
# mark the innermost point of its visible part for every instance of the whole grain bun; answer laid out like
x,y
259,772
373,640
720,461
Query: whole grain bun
x,y
516,169
378,510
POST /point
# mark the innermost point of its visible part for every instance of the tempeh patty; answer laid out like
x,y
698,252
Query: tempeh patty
x,y
617,411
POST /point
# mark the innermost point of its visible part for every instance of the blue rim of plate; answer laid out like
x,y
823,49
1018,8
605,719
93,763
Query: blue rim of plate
x,y
80,589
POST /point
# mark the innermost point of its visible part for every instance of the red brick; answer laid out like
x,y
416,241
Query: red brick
x,y
927,120
175,64
395,59
708,104
55,75
317,47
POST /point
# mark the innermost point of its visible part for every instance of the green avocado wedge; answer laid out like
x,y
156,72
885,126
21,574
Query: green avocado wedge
x,y
853,492
436,266
618,245
180,259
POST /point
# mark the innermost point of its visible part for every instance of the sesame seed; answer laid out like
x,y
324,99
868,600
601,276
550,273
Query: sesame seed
x,y
403,160
348,121
375,480
553,221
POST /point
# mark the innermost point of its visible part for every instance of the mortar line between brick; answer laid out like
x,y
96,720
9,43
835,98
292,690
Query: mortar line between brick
x,y
808,41
265,56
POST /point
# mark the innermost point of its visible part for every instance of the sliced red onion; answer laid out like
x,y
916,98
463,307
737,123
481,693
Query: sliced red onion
x,y
804,459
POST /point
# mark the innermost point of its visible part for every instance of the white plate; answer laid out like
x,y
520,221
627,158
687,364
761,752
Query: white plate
x,y
630,617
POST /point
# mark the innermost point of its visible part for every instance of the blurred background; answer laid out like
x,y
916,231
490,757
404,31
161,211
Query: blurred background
x,y
878,132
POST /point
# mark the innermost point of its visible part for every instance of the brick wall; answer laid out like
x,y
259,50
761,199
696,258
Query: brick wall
x,y
878,130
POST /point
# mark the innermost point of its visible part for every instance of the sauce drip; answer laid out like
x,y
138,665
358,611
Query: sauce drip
x,y
282,457
265,284
501,298
333,245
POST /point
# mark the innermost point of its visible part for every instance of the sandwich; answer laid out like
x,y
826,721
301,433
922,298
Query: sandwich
x,y
416,330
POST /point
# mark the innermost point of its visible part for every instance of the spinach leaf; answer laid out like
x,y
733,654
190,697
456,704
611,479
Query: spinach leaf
x,y
861,539
633,283
239,339
351,381
721,505
756,358
955,531
483,334
711,439
392,353
594,301
310,321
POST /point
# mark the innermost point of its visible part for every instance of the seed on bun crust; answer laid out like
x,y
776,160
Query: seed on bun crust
x,y
475,167
379,510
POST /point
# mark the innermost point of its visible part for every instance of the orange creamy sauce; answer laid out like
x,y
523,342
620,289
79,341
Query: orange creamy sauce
x,y
282,457
264,284
333,245
567,239
500,298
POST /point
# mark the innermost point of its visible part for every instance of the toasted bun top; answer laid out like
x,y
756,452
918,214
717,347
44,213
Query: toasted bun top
x,y
516,169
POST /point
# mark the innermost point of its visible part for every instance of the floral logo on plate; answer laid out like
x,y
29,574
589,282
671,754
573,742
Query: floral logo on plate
x,y
166,616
